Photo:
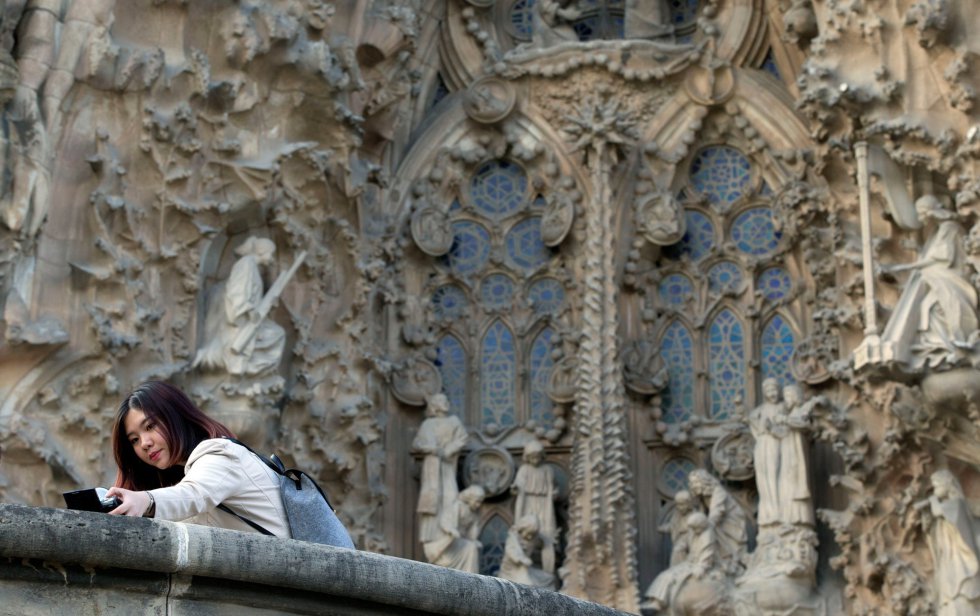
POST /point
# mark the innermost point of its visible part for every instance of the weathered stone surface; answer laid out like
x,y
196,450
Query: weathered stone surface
x,y
77,562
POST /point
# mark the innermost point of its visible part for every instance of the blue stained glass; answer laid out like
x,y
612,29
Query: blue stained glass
x,y
497,376
722,174
587,28
449,302
724,277
494,538
726,370
683,11
498,189
455,206
777,345
547,296
497,291
765,190
522,18
541,364
754,233
698,240
441,91
471,248
676,290
451,362
674,474
525,249
677,350
775,283
769,65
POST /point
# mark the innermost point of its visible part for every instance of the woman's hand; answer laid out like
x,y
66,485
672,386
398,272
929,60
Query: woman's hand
x,y
133,503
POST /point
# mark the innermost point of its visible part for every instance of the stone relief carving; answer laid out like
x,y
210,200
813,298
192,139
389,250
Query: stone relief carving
x,y
935,320
552,23
491,468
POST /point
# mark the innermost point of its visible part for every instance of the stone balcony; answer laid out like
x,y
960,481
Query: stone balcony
x,y
56,561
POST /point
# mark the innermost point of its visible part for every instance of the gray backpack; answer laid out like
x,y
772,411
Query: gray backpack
x,y
311,518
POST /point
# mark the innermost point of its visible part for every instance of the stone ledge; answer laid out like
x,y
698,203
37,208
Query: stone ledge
x,y
198,557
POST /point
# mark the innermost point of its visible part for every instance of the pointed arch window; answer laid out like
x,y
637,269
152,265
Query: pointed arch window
x,y
726,290
492,300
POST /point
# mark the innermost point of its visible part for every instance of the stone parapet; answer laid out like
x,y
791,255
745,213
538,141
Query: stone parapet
x,y
60,561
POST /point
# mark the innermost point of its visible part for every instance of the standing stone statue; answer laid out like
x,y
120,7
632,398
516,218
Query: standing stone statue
x,y
780,460
534,488
937,312
440,439
246,342
726,517
952,541
522,551
458,546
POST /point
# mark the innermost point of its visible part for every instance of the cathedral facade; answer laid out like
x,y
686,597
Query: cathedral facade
x,y
670,305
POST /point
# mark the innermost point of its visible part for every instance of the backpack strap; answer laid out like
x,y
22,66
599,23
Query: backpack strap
x,y
254,525
273,462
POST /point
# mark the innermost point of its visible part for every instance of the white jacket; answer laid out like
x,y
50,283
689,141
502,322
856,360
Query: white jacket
x,y
221,472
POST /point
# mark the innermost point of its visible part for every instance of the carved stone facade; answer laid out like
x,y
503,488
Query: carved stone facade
x,y
592,230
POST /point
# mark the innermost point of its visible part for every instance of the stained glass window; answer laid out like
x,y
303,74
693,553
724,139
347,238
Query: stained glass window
x,y
676,290
522,18
724,277
722,174
525,249
471,248
673,475
498,189
451,362
494,538
698,240
683,11
497,291
498,364
677,350
754,233
726,365
775,283
769,65
546,296
449,302
541,364
777,345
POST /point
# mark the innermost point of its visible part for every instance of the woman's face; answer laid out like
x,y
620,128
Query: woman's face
x,y
147,439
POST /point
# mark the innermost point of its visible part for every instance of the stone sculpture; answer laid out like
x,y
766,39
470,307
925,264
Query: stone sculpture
x,y
535,493
953,544
780,458
550,22
646,19
522,555
696,583
726,516
246,342
457,546
683,506
780,574
440,439
932,323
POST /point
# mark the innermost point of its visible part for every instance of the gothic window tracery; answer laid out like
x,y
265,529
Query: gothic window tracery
x,y
724,289
492,299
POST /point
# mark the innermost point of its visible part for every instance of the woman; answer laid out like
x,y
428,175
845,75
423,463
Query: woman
x,y
175,465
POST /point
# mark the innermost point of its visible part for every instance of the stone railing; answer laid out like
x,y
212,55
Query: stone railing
x,y
60,561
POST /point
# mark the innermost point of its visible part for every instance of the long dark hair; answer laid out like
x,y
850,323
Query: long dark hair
x,y
182,424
